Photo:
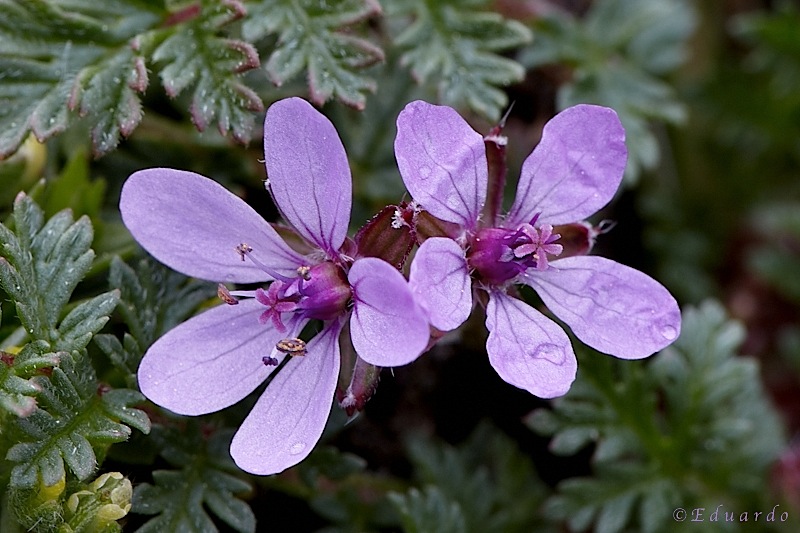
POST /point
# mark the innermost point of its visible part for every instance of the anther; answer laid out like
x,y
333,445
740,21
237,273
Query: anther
x,y
304,272
269,361
225,295
243,249
294,346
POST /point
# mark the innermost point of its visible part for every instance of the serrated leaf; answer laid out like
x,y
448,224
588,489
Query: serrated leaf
x,y
318,37
72,423
78,327
481,477
179,497
657,506
117,402
570,440
16,393
125,356
230,510
454,49
615,514
695,412
195,55
111,90
428,510
42,263
53,57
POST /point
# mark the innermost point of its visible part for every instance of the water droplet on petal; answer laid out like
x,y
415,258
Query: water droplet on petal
x,y
669,333
424,172
550,352
297,448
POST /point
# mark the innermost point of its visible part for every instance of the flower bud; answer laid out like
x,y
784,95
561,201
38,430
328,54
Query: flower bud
x,y
389,235
107,500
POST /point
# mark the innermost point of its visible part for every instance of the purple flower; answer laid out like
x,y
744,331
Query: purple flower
x,y
573,172
215,359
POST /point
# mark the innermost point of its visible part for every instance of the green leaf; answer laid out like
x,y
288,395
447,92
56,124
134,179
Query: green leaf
x,y
110,96
64,62
478,479
72,424
689,424
40,266
178,497
80,325
17,389
452,45
428,510
318,37
194,54
618,53
16,393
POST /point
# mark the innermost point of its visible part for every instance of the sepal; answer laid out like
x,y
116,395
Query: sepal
x,y
495,143
358,380
389,235
428,226
577,238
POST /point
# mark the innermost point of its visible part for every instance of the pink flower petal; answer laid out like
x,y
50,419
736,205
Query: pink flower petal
x,y
439,280
611,307
575,170
209,362
387,327
308,173
193,225
527,349
288,419
442,161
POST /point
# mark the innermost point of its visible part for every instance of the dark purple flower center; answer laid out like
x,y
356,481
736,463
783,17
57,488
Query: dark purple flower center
x,y
319,292
497,255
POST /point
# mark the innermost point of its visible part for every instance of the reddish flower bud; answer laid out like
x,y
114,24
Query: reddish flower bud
x,y
389,235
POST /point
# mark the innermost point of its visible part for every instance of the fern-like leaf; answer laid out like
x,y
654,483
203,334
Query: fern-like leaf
x,y
452,45
74,422
714,430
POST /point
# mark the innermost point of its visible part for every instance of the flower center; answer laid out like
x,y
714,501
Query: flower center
x,y
319,292
497,255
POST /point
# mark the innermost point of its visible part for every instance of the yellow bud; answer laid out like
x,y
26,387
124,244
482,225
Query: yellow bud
x,y
51,492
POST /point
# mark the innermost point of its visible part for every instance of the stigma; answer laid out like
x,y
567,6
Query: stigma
x,y
498,255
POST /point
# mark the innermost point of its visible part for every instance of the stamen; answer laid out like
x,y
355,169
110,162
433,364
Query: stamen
x,y
246,250
243,249
304,272
293,346
225,295
269,361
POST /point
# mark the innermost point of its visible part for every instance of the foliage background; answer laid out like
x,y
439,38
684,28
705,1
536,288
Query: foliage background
x,y
709,94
